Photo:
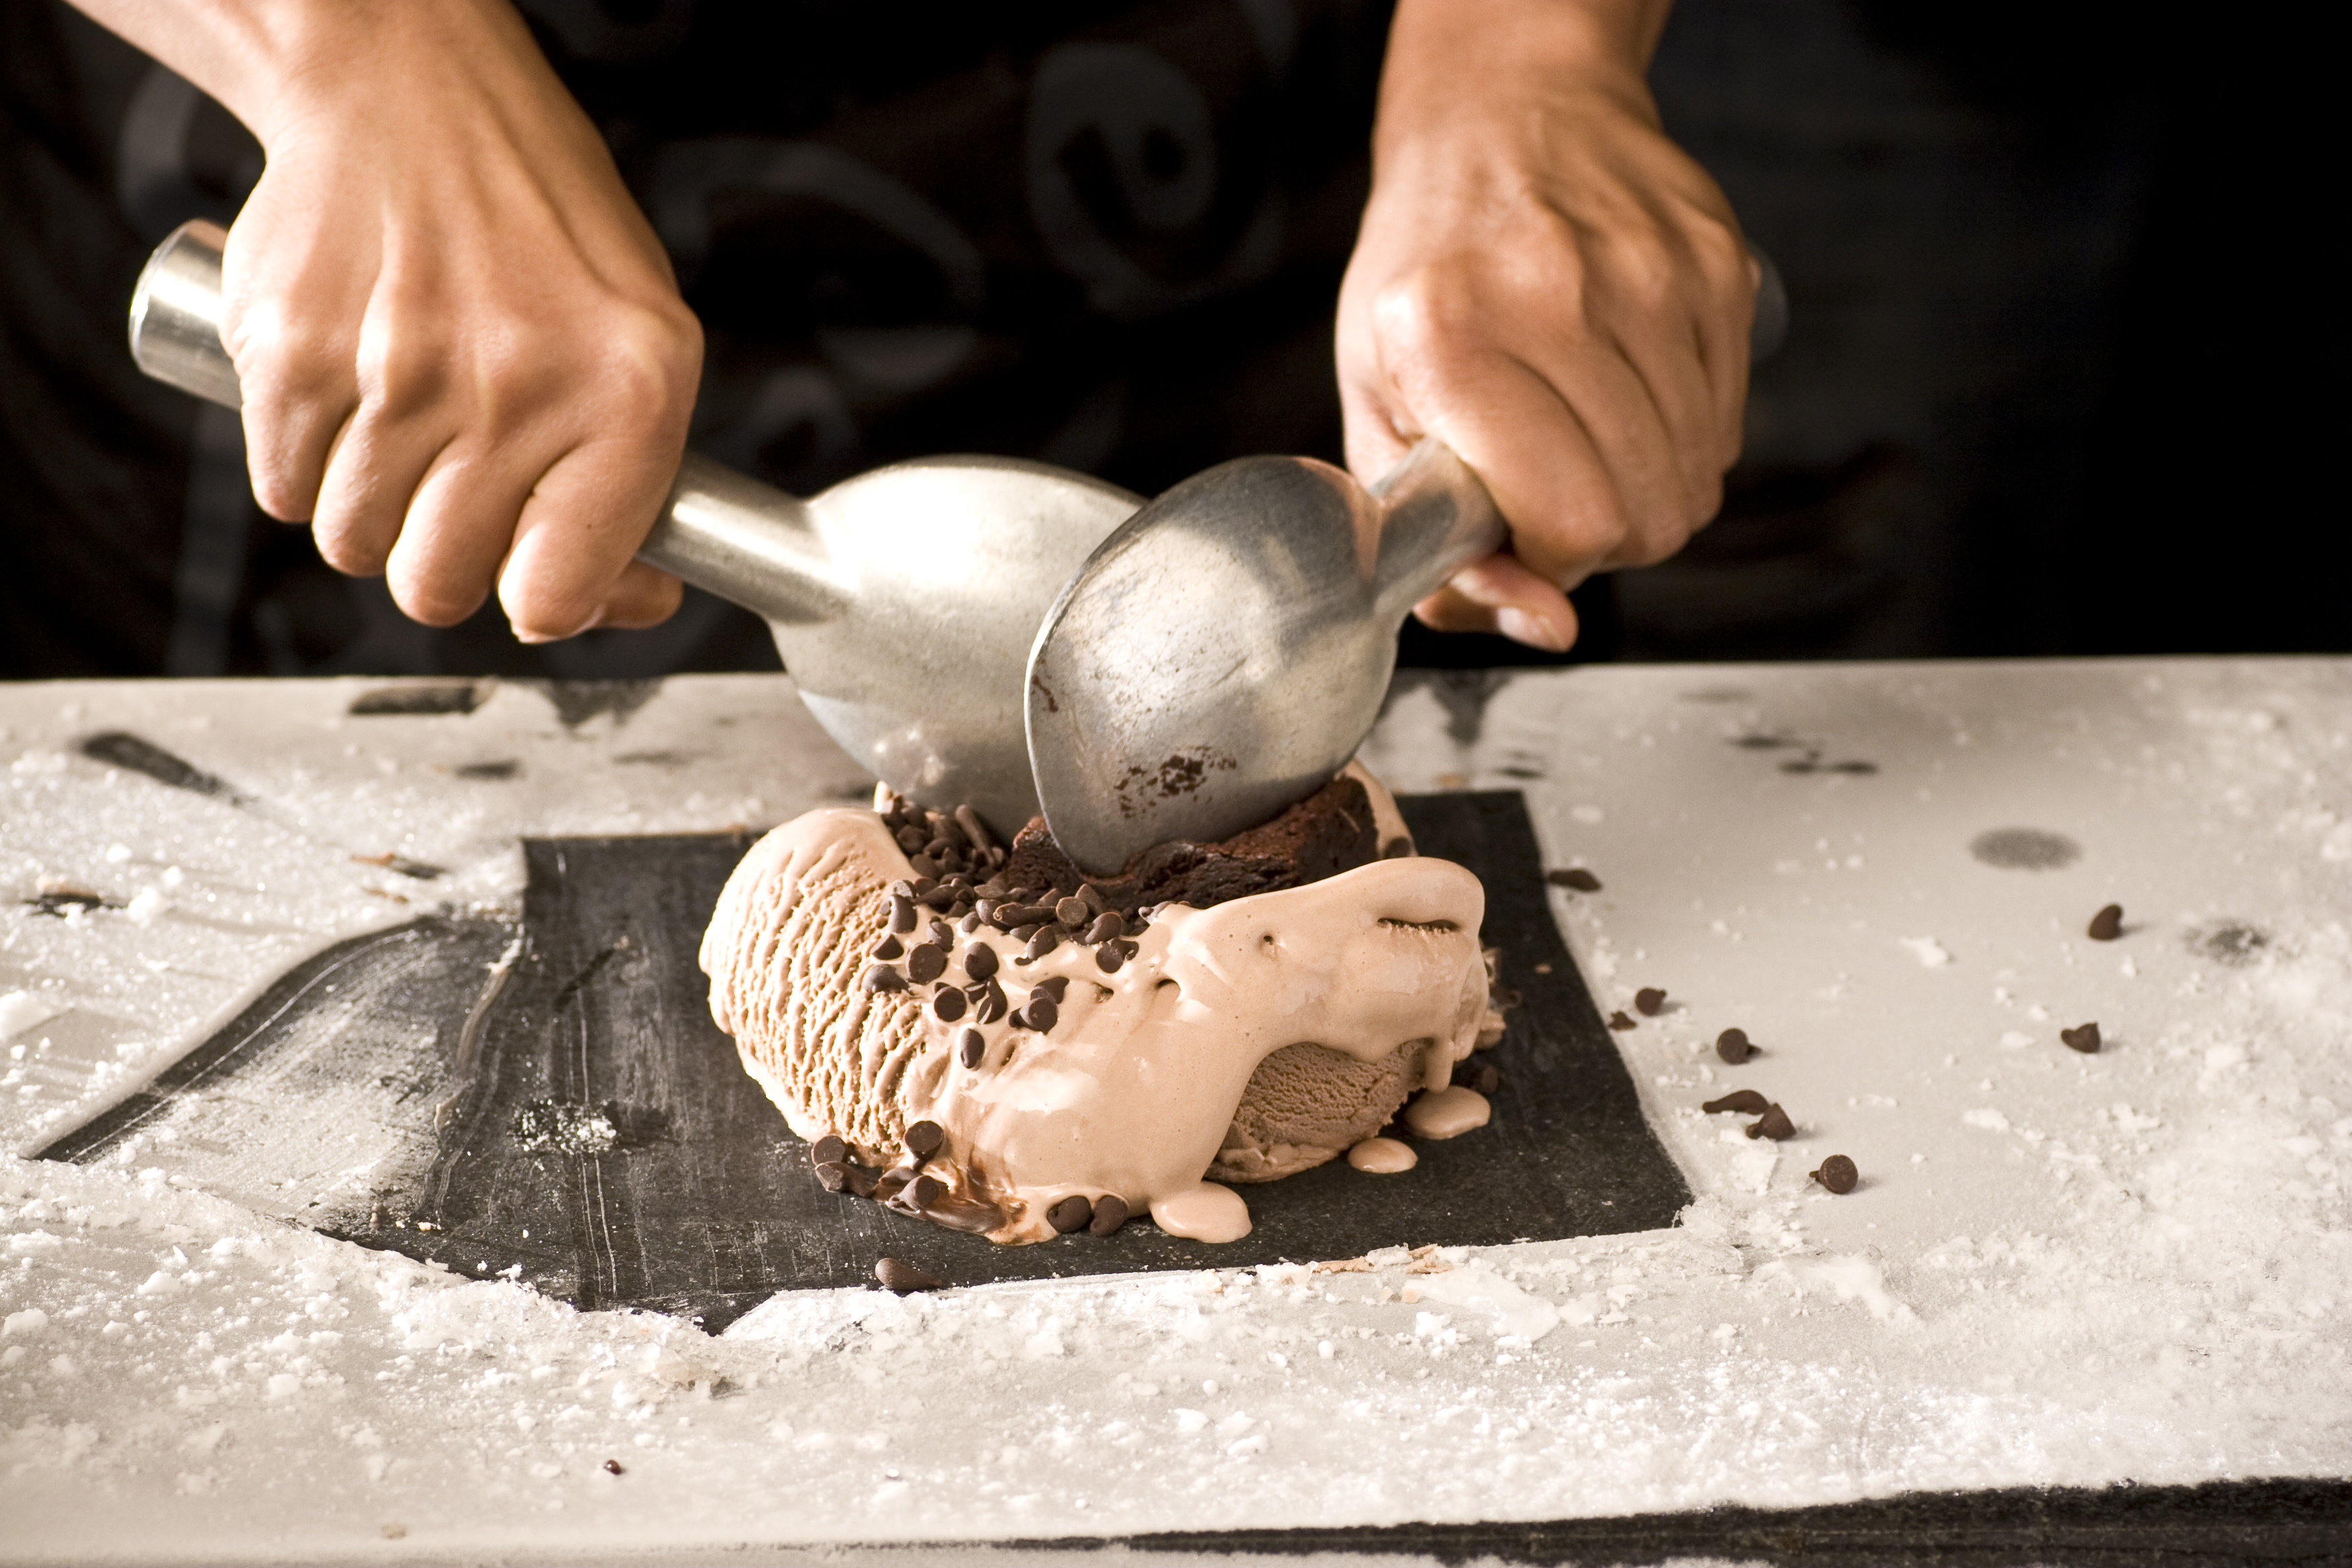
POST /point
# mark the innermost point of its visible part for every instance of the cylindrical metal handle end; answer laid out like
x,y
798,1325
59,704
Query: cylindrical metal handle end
x,y
175,315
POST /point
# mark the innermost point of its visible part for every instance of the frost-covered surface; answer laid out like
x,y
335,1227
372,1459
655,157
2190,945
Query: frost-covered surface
x,y
2058,1268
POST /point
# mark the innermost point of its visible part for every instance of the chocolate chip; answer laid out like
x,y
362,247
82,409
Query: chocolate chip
x,y
970,1046
990,1005
925,1190
985,910
969,924
1396,848
882,977
923,886
944,934
1649,1001
2085,1040
2107,924
614,1468
833,1175
1041,1013
904,887
910,839
1837,1174
1073,1213
927,962
1057,986
980,961
902,914
1775,1125
888,948
861,1182
1618,1021
923,1139
830,1150
1107,925
1073,910
1110,1213
1026,933
905,1279
1109,956
947,1005
1575,877
1047,939
1480,1077
1734,1047
974,829
893,1181
1745,1101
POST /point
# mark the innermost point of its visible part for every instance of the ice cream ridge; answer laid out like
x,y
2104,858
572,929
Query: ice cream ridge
x,y
980,1034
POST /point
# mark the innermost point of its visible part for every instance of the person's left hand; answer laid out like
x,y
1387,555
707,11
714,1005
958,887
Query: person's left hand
x,y
1548,285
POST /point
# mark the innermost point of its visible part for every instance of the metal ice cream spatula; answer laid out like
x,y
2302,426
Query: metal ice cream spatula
x,y
1225,651
903,601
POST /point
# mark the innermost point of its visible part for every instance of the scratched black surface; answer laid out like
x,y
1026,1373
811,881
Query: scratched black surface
x,y
690,1195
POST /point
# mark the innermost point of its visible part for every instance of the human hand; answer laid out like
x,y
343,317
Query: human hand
x,y
1548,284
463,355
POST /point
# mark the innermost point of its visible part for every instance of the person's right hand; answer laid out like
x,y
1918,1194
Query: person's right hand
x,y
463,358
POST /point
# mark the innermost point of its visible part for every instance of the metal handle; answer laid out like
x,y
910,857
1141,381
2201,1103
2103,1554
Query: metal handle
x,y
720,530
1436,518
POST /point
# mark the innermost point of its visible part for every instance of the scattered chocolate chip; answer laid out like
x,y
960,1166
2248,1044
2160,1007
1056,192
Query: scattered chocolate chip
x,y
1073,1213
1775,1125
1575,877
1107,925
902,914
1734,1047
980,961
1041,1013
947,1005
1109,956
1486,1079
990,1005
905,1279
830,1150
1047,939
1744,1101
882,977
1110,1213
1837,1174
861,1182
893,1181
974,829
2107,924
970,1046
1618,1021
926,1190
614,1468
1073,910
833,1175
923,1139
1649,1001
2085,1040
927,962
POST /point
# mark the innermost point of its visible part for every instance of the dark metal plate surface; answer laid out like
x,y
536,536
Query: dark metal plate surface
x,y
594,1130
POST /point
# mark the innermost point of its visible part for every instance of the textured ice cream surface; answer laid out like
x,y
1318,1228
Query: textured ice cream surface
x,y
1006,1035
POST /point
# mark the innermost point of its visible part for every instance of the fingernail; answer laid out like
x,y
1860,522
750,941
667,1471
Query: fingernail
x,y
1536,631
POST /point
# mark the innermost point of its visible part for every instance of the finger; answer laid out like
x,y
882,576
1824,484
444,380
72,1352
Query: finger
x,y
645,596
1501,594
459,527
1627,426
293,334
576,534
1660,327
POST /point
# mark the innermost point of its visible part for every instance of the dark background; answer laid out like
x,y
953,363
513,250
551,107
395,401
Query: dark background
x,y
2058,354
